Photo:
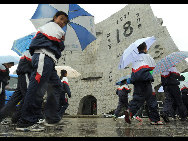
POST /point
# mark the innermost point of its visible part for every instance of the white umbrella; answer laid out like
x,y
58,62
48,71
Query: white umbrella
x,y
70,71
131,52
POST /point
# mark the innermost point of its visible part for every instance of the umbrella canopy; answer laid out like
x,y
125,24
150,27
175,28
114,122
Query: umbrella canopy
x,y
70,71
22,44
80,31
123,78
169,61
131,52
8,59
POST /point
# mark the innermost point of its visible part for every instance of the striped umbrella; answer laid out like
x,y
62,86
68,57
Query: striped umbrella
x,y
169,61
79,32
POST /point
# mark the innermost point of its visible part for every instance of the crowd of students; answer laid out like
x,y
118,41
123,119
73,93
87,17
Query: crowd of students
x,y
176,97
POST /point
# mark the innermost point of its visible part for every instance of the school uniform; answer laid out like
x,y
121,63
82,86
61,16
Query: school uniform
x,y
45,48
63,100
23,71
122,92
4,77
184,91
141,78
172,93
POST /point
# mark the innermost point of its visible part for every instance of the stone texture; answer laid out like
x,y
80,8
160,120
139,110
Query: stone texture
x,y
98,63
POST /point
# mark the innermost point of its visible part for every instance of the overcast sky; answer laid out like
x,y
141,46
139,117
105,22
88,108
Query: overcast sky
x,y
15,21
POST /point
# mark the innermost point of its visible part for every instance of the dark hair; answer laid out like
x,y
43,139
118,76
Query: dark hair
x,y
142,46
60,13
63,72
124,81
182,78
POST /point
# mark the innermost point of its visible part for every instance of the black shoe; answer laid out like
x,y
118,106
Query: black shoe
x,y
165,118
183,119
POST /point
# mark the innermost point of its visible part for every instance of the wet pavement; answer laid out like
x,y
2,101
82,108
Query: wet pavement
x,y
103,127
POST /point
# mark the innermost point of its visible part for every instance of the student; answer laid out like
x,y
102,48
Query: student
x,y
122,92
45,48
23,71
184,91
66,89
173,94
4,77
141,78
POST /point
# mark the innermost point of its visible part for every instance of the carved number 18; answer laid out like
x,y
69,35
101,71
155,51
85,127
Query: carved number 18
x,y
127,27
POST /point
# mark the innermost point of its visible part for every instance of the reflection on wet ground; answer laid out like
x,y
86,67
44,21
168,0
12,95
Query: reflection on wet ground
x,y
103,127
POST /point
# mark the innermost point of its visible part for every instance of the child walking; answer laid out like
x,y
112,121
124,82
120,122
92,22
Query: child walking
x,y
141,78
45,48
122,92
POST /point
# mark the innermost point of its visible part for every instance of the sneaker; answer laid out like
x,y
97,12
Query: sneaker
x,y
156,123
41,121
5,122
114,118
165,118
183,119
33,128
127,117
60,123
137,118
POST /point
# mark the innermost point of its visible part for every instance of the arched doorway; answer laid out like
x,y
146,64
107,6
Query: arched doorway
x,y
88,105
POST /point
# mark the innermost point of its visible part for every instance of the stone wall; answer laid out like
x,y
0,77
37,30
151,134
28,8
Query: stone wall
x,y
98,63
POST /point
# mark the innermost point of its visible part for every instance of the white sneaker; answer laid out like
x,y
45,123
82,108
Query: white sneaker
x,y
41,121
60,123
33,128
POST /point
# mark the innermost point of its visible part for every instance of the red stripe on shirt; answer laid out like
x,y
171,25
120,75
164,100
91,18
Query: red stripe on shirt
x,y
65,82
123,88
184,88
37,77
24,57
49,37
141,67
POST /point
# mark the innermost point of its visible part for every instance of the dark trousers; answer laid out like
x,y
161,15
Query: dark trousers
x,y
63,104
142,93
16,97
122,105
173,97
2,96
32,106
185,101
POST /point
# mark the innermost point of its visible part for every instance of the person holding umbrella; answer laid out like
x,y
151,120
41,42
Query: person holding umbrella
x,y
45,48
170,80
4,77
141,78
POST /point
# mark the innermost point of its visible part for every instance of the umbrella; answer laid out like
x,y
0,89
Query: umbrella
x,y
20,45
70,71
9,58
80,31
131,52
123,78
169,61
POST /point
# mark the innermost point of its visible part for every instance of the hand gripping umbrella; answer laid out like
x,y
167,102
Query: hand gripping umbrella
x,y
169,61
22,44
80,31
131,52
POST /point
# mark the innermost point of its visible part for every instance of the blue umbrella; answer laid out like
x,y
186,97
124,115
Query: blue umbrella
x,y
127,77
8,59
22,44
80,31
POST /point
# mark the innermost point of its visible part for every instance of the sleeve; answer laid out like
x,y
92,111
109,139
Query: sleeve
x,y
66,87
151,62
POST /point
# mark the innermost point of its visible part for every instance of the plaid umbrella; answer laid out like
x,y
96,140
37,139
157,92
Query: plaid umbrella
x,y
169,61
22,44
